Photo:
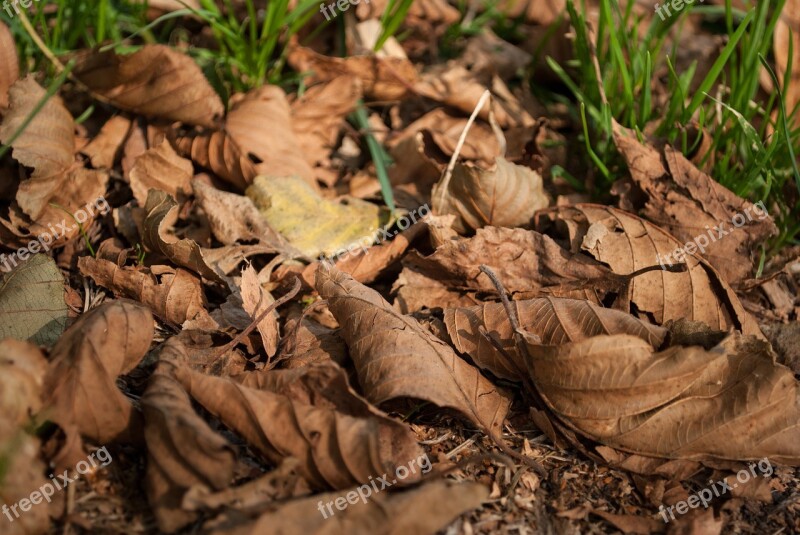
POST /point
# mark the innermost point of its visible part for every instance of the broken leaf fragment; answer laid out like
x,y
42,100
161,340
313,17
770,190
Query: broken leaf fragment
x,y
314,225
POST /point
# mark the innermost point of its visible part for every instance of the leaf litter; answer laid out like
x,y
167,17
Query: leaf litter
x,y
533,348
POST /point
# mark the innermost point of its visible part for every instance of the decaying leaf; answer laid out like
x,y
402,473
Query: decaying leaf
x,y
175,295
335,450
307,342
80,385
162,169
22,369
260,123
627,243
396,358
383,78
693,207
9,63
255,301
312,224
216,150
423,511
506,196
32,305
155,81
732,402
183,453
555,321
103,149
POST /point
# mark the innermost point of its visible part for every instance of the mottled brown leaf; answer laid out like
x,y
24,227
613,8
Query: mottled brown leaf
x,y
217,151
162,169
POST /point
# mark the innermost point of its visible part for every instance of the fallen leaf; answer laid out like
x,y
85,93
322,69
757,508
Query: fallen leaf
x,y
217,151
175,295
260,123
306,342
183,453
335,450
383,78
732,402
160,168
9,63
255,300
396,358
434,506
22,369
555,321
155,81
311,224
103,149
32,305
506,196
627,243
80,385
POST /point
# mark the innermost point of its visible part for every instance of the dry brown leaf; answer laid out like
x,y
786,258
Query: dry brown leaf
x,y
555,321
627,243
234,218
319,114
453,85
422,511
103,149
396,358
383,78
732,402
255,300
306,342
217,151
162,169
47,144
80,386
183,453
260,123
336,450
415,291
174,295
505,196
9,63
155,81
788,28
695,208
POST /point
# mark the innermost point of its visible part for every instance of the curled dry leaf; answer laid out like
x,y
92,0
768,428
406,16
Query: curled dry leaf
x,y
9,63
103,149
80,385
217,151
155,81
312,224
555,321
732,402
627,243
395,357
255,300
162,169
506,196
22,369
175,295
260,123
183,453
383,78
32,305
424,510
335,450
695,208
